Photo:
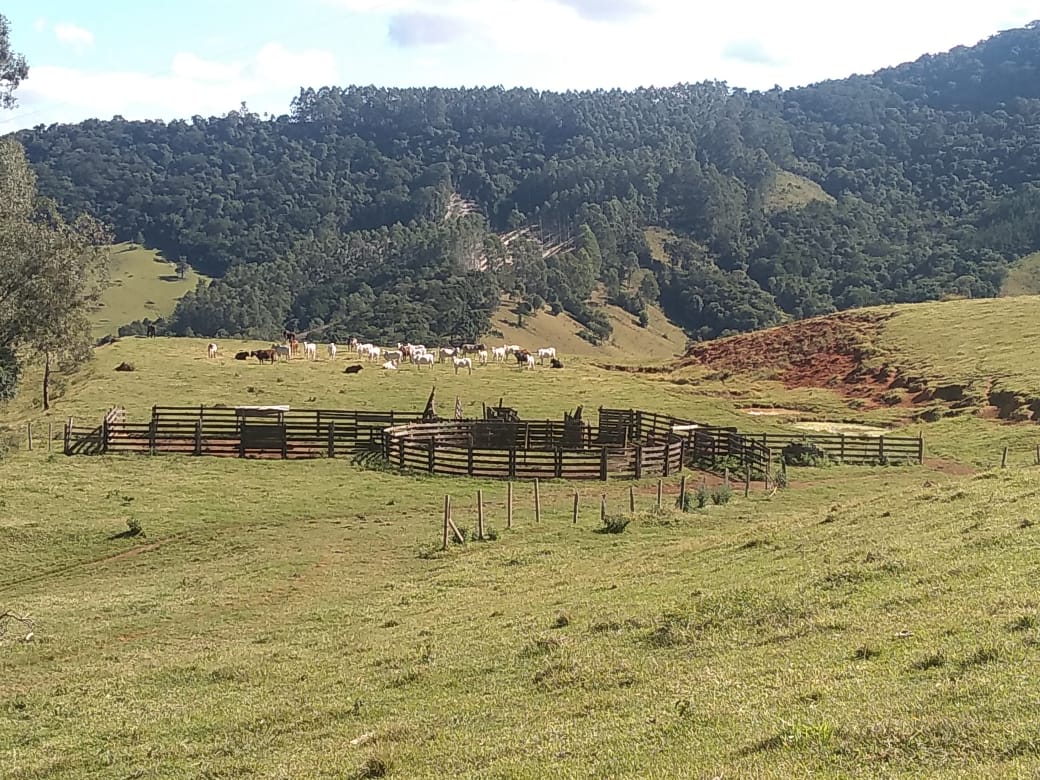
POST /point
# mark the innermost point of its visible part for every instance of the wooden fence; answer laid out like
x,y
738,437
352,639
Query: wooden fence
x,y
454,448
263,432
626,442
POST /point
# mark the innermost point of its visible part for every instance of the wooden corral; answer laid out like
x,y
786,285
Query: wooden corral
x,y
623,443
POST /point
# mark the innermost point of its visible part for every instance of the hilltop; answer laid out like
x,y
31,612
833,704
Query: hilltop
x,y
928,360
402,205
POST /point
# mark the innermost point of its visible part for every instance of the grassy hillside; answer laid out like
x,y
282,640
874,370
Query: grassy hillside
x,y
143,284
660,341
964,355
1024,277
791,191
295,619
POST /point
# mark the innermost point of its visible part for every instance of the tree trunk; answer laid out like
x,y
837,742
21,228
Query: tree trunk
x,y
47,381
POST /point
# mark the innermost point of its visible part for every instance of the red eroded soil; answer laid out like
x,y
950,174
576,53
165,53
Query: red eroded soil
x,y
823,352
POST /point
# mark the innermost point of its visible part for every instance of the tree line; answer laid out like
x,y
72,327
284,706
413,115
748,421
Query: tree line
x,y
338,213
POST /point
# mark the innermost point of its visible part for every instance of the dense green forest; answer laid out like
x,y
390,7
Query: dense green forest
x,y
345,212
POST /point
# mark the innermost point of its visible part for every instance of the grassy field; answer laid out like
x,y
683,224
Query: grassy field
x,y
791,191
659,341
297,619
143,284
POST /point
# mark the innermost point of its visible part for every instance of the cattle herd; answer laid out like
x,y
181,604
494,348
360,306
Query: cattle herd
x,y
461,358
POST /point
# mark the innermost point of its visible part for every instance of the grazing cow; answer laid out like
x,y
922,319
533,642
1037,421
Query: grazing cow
x,y
211,350
394,354
151,331
521,356
353,369
556,363
241,356
462,362
263,355
472,349
282,350
482,357
332,351
310,350
530,361
352,343
423,359
546,352
498,354
446,352
390,365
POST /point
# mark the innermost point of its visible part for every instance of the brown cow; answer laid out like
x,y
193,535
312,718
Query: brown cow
x,y
242,356
262,355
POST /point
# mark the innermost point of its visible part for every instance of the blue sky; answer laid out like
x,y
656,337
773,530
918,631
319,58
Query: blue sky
x,y
156,60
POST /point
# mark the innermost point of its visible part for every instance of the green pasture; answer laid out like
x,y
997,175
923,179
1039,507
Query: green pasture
x,y
298,619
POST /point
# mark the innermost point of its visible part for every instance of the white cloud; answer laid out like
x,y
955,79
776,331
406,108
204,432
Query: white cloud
x,y
267,81
73,35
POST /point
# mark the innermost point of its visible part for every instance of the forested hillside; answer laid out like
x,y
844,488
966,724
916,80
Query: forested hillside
x,y
341,210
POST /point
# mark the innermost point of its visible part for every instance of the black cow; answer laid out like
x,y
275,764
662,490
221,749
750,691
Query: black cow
x,y
151,331
353,369
241,356
556,363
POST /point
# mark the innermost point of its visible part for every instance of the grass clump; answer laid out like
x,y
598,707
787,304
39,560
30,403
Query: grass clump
x,y
613,524
721,494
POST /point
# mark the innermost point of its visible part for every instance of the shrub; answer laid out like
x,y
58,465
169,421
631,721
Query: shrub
x,y
721,494
702,496
613,525
805,453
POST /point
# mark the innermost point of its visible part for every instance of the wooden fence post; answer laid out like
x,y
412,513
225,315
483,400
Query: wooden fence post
x,y
198,437
660,493
920,449
153,426
1038,454
469,460
28,431
682,493
509,505
512,462
104,435
332,439
68,437
50,436
285,442
632,498
881,448
447,511
841,452
1003,459
725,477
603,508
480,515
639,461
575,516
537,502
747,480
603,464
431,454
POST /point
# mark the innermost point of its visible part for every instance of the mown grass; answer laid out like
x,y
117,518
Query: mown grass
x,y
143,284
863,623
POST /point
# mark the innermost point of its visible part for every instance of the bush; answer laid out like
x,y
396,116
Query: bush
x,y
721,495
805,453
556,308
644,319
613,525
702,496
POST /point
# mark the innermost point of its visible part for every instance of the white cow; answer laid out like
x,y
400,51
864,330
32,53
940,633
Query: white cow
x,y
546,352
211,351
529,363
332,351
390,365
310,350
462,362
446,352
423,359
498,354
482,357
